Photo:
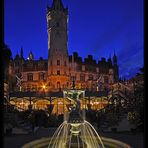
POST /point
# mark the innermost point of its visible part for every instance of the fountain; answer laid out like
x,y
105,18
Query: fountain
x,y
75,131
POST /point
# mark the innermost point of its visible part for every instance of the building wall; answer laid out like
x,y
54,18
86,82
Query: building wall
x,y
60,69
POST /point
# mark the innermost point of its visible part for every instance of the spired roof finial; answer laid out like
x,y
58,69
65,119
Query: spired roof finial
x,y
57,5
21,52
114,52
31,56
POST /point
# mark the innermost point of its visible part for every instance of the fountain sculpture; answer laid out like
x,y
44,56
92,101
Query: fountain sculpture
x,y
75,131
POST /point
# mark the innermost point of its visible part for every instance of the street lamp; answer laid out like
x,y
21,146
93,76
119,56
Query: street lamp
x,y
44,87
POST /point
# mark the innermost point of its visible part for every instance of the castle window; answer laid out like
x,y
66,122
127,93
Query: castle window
x,y
79,67
58,62
65,63
82,78
41,76
51,63
83,67
58,72
58,85
30,77
97,69
73,78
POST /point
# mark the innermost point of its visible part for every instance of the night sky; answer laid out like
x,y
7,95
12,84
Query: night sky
x,y
97,27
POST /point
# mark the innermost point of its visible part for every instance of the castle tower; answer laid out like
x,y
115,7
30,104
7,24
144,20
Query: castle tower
x,y
116,70
31,56
58,67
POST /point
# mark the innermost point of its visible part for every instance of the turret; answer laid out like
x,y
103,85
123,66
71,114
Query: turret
x,y
21,53
114,59
116,70
58,59
31,56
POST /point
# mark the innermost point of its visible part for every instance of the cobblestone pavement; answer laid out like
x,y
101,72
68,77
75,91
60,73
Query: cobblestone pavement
x,y
17,141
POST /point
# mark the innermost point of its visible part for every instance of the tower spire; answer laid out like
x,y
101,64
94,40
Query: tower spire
x,y
21,52
31,56
114,58
57,5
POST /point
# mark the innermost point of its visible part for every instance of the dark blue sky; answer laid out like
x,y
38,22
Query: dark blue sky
x,y
96,27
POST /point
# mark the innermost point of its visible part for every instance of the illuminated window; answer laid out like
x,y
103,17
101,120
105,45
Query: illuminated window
x,y
58,72
83,67
58,85
58,62
30,77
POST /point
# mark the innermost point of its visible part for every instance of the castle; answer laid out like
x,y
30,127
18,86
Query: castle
x,y
60,69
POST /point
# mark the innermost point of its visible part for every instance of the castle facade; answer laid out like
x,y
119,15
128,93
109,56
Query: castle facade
x,y
60,69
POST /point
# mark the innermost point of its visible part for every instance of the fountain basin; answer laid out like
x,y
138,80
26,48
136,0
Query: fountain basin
x,y
108,143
